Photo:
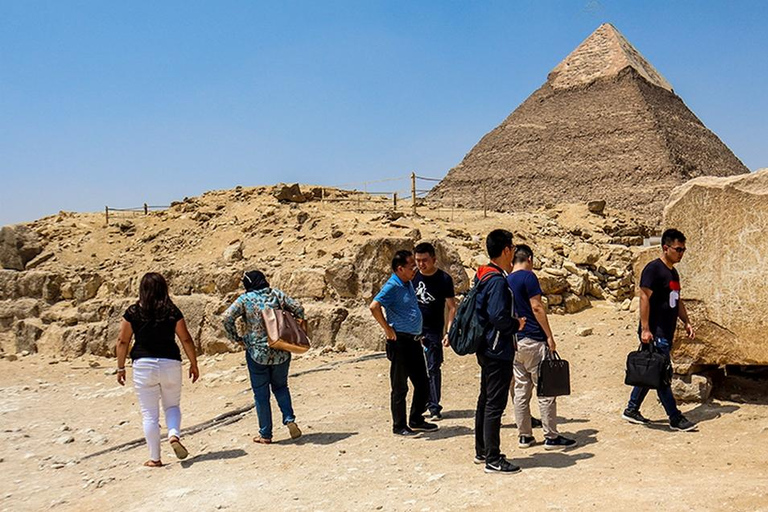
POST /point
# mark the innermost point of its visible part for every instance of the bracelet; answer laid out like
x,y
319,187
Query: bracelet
x,y
121,370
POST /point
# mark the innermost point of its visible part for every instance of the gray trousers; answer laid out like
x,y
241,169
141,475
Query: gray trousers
x,y
525,369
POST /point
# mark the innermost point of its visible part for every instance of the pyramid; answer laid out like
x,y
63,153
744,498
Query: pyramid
x,y
605,125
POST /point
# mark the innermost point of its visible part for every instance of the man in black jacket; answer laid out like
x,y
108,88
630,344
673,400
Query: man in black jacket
x,y
495,354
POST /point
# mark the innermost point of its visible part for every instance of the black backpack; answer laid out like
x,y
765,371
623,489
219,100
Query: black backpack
x,y
466,333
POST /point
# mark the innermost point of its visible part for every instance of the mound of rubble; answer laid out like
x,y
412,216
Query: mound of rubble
x,y
68,278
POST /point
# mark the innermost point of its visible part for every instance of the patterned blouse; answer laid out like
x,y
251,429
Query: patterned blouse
x,y
249,306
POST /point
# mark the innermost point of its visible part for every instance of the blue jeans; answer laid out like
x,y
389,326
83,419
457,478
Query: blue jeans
x,y
433,349
262,377
665,393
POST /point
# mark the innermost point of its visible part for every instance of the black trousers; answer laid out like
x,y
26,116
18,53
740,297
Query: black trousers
x,y
495,379
406,357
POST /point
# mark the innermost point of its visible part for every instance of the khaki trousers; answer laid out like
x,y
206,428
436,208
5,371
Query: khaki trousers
x,y
526,375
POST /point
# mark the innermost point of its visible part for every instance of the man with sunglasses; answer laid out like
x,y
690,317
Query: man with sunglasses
x,y
660,307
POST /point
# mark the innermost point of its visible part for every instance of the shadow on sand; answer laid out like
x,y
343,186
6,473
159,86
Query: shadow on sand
x,y
220,455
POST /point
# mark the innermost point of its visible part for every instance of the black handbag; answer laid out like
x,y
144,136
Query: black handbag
x,y
648,368
554,376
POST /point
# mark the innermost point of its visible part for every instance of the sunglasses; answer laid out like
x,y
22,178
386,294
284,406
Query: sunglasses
x,y
678,250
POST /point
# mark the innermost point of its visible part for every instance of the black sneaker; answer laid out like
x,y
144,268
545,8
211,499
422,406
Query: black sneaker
x,y
558,442
635,417
406,432
435,416
681,423
535,422
424,427
525,441
502,466
480,459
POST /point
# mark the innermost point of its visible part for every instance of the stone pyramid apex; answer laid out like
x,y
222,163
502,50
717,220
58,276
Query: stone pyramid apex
x,y
603,54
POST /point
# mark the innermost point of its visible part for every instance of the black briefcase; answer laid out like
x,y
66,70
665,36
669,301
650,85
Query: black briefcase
x,y
648,368
554,376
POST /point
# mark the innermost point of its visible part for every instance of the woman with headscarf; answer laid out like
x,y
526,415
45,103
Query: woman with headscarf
x,y
155,321
268,368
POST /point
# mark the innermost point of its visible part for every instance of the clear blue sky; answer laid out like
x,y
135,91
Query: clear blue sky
x,y
106,102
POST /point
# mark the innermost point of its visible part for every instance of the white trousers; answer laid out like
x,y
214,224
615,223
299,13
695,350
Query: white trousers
x,y
155,381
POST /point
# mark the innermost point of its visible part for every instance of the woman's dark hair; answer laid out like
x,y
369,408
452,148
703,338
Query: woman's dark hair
x,y
154,301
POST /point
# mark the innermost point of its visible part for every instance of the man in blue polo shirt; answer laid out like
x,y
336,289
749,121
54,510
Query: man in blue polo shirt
x,y
402,327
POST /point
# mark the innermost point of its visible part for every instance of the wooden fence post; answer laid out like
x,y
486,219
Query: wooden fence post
x,y
485,201
106,214
413,193
394,201
146,209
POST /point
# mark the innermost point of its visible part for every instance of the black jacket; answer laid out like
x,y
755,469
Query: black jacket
x,y
495,311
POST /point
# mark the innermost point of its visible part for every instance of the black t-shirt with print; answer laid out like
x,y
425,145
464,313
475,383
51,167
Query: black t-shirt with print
x,y
431,292
664,282
155,336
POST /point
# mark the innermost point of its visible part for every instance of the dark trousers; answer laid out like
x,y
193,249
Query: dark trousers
x,y
495,379
666,397
407,362
433,348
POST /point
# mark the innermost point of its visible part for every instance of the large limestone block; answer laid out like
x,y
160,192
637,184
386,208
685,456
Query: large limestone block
x,y
18,245
449,260
324,322
202,314
584,254
374,259
8,280
640,260
373,263
691,388
724,271
306,282
341,277
359,330
552,284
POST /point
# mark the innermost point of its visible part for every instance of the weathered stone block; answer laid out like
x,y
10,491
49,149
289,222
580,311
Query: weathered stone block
x,y
342,278
360,330
574,303
584,254
724,290
691,388
306,282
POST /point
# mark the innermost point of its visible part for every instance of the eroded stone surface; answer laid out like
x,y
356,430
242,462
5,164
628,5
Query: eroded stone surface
x,y
724,271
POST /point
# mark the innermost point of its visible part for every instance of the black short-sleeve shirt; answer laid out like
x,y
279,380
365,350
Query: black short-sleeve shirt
x,y
664,283
155,335
431,292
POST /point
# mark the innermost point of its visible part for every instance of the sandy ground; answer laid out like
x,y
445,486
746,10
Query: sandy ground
x,y
53,415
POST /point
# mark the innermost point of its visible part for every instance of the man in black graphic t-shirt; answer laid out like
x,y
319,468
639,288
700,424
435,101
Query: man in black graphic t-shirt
x,y
660,307
434,290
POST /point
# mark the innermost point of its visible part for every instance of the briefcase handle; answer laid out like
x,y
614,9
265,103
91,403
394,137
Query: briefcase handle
x,y
552,354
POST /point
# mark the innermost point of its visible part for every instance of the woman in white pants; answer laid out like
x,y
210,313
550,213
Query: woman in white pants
x,y
155,321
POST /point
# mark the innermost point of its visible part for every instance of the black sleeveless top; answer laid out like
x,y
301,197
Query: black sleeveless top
x,y
154,336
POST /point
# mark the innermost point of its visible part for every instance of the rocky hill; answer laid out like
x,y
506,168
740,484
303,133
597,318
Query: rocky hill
x,y
67,278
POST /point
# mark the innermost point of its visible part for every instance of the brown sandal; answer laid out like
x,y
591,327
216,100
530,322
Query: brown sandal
x,y
178,448
262,440
154,463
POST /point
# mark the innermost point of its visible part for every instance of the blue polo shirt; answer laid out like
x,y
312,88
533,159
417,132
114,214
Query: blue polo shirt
x,y
399,300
